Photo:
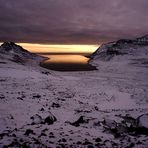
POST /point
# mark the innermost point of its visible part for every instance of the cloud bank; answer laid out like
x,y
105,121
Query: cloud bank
x,y
72,21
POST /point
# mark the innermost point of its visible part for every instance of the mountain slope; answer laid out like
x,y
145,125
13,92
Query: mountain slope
x,y
122,55
101,108
10,51
135,47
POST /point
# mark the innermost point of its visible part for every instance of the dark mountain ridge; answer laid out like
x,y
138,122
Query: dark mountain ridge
x,y
16,53
122,47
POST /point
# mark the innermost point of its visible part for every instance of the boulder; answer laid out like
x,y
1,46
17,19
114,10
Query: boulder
x,y
143,121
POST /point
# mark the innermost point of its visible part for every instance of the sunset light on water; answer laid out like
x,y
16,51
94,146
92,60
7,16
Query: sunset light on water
x,y
74,74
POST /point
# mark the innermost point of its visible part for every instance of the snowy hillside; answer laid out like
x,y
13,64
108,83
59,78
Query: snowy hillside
x,y
9,51
124,56
122,48
40,108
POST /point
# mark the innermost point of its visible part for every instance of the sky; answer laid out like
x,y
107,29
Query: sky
x,y
86,22
60,48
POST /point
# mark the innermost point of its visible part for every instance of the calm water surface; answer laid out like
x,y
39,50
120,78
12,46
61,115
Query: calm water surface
x,y
67,62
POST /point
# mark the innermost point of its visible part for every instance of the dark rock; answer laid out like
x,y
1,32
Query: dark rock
x,y
79,121
138,126
129,121
42,109
62,145
18,59
2,96
131,145
79,142
112,52
140,131
98,140
2,135
50,119
97,145
43,134
51,133
3,62
110,123
28,132
45,72
63,140
55,105
19,98
87,143
36,96
14,135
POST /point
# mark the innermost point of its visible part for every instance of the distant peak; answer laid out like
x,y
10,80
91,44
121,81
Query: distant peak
x,y
143,37
17,53
11,43
8,46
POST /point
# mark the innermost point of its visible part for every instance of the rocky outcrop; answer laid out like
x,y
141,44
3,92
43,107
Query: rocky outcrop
x,y
121,47
129,125
37,119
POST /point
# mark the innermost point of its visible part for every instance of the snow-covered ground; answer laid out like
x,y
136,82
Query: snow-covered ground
x,y
103,108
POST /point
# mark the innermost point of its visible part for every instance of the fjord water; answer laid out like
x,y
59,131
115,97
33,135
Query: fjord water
x,y
67,62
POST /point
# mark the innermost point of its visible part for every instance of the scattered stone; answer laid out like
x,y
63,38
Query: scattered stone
x,y
28,132
87,143
55,105
79,121
64,140
42,109
131,145
129,121
110,123
50,119
43,134
51,133
62,145
37,119
45,72
90,146
36,96
51,136
2,135
19,98
2,96
98,140
18,59
79,142
14,135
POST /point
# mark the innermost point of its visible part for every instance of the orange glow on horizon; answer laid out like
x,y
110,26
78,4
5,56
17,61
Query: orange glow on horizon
x,y
57,48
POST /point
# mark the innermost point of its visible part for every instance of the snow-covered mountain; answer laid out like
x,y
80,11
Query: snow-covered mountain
x,y
138,46
13,52
142,40
108,107
121,55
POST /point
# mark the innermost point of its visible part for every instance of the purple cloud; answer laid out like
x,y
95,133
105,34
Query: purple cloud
x,y
72,21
